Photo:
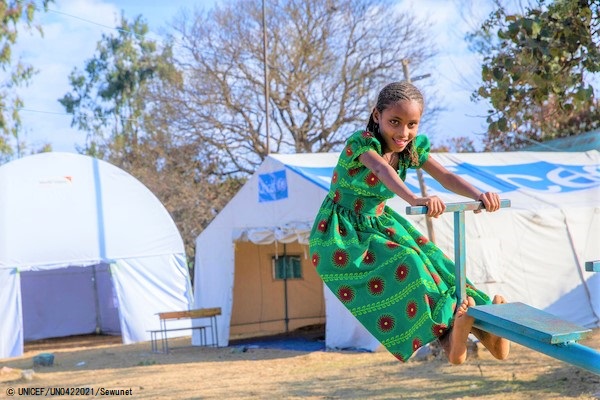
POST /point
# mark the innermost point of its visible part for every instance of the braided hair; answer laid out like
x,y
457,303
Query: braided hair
x,y
390,95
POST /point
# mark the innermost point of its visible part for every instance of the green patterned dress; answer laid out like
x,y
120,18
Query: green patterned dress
x,y
396,283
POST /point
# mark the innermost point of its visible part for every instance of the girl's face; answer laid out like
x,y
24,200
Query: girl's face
x,y
398,124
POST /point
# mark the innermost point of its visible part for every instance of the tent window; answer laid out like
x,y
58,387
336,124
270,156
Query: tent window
x,y
287,267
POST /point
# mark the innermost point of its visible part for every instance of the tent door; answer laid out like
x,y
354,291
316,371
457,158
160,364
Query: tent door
x,y
271,296
68,301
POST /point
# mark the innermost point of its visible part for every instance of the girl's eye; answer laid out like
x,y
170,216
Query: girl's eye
x,y
412,125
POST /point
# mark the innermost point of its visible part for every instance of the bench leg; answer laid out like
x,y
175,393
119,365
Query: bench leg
x,y
153,341
215,333
165,339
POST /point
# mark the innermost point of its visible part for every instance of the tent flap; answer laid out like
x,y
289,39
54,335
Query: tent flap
x,y
146,287
11,328
288,233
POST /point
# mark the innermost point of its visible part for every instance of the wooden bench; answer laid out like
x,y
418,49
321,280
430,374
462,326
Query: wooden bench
x,y
200,313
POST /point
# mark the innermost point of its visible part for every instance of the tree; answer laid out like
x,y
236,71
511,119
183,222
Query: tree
x,y
326,60
12,13
112,102
536,71
107,99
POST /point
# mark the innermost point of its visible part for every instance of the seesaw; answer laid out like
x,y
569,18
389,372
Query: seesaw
x,y
518,322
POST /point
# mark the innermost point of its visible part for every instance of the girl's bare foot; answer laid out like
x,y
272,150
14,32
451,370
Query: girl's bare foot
x,y
455,344
498,347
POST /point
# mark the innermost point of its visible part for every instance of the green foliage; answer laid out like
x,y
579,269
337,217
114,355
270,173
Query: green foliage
x,y
114,100
12,13
107,98
536,70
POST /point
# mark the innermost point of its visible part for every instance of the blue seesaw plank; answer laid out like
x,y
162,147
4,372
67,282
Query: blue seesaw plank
x,y
592,266
528,321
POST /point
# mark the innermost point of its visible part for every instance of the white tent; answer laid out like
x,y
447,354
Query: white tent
x,y
84,248
533,252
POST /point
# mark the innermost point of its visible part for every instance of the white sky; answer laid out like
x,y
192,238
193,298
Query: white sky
x,y
73,27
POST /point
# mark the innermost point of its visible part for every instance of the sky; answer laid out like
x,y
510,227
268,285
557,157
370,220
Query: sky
x,y
72,29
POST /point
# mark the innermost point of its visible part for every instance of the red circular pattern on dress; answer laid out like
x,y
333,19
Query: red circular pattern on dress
x,y
334,177
376,285
386,323
367,134
436,278
345,294
369,257
349,151
371,179
416,343
336,197
322,225
340,258
342,231
315,259
401,272
398,356
358,206
439,329
422,240
411,309
353,171
380,208
390,232
391,245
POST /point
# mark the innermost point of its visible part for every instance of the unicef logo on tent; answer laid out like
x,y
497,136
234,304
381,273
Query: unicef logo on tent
x,y
272,186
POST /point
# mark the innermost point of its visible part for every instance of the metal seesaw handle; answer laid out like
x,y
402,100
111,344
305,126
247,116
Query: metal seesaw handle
x,y
456,207
460,250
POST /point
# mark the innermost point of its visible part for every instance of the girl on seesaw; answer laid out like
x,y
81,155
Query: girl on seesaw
x,y
393,280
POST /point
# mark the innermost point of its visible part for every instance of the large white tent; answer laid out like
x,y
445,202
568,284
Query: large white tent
x,y
533,252
84,248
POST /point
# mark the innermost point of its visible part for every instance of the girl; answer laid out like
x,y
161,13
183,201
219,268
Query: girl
x,y
396,283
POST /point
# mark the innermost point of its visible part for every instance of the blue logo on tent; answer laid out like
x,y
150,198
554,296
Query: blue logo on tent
x,y
272,186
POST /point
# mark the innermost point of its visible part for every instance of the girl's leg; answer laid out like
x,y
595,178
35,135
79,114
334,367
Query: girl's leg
x,y
498,346
455,342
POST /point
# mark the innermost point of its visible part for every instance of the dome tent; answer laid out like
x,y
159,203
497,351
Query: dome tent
x,y
84,248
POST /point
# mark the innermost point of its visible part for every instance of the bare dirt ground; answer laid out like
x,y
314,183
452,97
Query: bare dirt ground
x,y
189,372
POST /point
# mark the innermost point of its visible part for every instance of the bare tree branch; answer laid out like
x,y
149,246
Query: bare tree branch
x,y
327,60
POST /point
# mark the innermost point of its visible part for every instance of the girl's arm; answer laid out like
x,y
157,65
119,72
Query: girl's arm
x,y
389,177
458,185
